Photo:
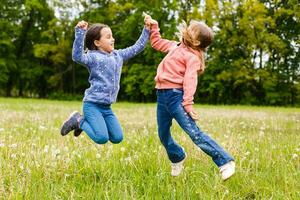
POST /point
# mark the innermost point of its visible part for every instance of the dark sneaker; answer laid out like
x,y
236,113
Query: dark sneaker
x,y
77,132
70,124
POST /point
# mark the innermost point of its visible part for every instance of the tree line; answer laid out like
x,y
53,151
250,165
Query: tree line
x,y
254,58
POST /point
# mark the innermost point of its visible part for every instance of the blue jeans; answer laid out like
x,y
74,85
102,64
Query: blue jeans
x,y
169,106
100,123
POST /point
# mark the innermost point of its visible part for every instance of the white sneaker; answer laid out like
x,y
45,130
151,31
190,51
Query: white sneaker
x,y
227,170
177,167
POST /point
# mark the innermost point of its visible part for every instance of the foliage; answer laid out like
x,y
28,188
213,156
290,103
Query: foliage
x,y
254,58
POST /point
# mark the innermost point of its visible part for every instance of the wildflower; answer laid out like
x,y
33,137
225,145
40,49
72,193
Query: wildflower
x,y
145,131
13,156
55,152
46,149
294,156
42,127
128,159
13,146
261,133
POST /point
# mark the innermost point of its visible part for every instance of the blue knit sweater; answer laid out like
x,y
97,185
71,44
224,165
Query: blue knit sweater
x,y
104,68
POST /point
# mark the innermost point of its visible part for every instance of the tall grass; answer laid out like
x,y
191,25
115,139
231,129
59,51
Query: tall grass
x,y
36,162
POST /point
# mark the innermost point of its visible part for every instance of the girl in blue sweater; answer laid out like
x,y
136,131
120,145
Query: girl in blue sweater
x,y
104,64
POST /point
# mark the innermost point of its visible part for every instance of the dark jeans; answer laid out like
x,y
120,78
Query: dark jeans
x,y
169,106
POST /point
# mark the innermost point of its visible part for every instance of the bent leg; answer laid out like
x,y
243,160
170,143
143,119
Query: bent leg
x,y
93,123
113,126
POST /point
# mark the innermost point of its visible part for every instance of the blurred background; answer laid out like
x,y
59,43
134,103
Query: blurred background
x,y
254,58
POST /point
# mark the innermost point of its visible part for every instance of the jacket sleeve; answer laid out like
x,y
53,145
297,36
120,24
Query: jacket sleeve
x,y
190,81
78,54
139,46
158,43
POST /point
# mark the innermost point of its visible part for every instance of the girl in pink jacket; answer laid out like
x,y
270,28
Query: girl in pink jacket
x,y
176,83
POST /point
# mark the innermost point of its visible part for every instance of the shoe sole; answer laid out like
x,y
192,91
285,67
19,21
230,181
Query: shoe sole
x,y
229,177
63,134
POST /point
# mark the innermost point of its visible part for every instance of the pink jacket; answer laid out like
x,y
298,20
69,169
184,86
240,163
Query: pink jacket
x,y
178,69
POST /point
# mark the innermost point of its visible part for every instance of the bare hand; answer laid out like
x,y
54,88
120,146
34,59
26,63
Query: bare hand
x,y
83,25
148,20
194,115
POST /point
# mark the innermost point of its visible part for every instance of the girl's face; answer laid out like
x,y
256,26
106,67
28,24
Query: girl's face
x,y
106,42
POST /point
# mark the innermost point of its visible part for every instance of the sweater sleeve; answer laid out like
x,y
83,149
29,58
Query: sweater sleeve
x,y
78,54
190,81
139,46
158,43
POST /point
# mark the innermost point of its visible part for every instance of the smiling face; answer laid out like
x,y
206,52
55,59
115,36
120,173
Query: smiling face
x,y
106,41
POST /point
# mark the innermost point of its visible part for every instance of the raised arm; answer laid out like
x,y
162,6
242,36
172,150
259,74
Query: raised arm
x,y
139,46
78,54
158,43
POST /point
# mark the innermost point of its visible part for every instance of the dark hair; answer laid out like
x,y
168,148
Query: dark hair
x,y
92,34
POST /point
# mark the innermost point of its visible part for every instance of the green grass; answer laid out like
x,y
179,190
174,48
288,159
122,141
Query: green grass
x,y
38,163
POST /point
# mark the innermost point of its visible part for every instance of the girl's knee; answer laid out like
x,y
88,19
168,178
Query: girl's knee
x,y
116,140
101,140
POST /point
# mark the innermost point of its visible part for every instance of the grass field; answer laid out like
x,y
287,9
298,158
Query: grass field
x,y
36,162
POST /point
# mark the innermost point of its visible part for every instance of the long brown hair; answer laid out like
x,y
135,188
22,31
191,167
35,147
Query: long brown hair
x,y
93,33
197,36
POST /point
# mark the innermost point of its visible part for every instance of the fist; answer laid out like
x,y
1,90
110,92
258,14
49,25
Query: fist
x,y
194,115
148,20
83,25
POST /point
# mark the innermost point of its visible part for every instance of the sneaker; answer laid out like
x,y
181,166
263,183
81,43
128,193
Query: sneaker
x,y
177,167
227,170
70,124
77,132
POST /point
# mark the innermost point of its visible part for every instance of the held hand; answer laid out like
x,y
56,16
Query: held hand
x,y
148,20
194,115
83,25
